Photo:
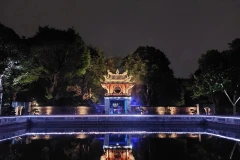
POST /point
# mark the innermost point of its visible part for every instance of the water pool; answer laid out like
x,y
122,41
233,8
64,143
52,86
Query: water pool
x,y
155,142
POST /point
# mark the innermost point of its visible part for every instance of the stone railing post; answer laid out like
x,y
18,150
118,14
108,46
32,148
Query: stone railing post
x,y
198,112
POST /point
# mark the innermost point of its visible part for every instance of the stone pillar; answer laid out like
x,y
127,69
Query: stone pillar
x,y
106,105
198,109
16,110
128,105
20,110
207,110
129,137
125,107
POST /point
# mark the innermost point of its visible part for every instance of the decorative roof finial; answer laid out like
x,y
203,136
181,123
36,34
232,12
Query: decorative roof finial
x,y
117,71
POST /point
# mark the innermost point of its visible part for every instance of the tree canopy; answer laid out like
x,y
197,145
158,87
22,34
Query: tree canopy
x,y
60,56
57,67
11,53
219,72
155,82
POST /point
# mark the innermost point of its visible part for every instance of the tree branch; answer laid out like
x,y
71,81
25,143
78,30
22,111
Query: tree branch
x,y
228,97
237,100
234,147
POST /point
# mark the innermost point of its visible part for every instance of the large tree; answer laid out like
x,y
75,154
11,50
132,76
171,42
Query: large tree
x,y
155,82
90,81
61,56
208,77
232,87
9,54
219,72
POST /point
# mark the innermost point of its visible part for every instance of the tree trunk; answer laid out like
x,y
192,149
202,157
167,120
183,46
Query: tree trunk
x,y
83,87
233,102
215,100
234,147
54,83
90,93
234,109
14,96
148,95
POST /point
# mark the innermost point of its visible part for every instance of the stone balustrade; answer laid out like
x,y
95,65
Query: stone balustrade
x,y
44,131
13,120
129,124
117,119
121,119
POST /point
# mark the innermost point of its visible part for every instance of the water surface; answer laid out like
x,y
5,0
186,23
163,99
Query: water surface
x,y
118,142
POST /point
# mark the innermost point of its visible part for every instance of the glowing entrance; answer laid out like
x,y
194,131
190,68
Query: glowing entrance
x,y
118,96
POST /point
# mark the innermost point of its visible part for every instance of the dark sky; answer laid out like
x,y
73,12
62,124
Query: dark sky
x,y
182,29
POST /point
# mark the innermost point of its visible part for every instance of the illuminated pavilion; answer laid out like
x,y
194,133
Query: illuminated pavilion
x,y
118,96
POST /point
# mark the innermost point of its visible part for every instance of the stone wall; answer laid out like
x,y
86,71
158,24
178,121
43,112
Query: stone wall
x,y
170,110
50,120
117,119
12,120
55,110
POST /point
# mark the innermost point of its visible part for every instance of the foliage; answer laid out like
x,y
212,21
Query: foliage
x,y
88,85
208,78
114,63
155,82
10,110
56,66
9,49
186,85
219,72
11,54
60,56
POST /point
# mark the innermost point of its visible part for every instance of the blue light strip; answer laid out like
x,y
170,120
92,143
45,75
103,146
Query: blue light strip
x,y
96,133
225,137
132,132
5,139
128,115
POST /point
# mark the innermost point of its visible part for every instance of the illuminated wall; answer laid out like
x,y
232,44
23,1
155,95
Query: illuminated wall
x,y
50,110
160,110
170,110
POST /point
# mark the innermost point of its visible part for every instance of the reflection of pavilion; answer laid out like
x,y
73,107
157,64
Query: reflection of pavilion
x,y
117,147
117,98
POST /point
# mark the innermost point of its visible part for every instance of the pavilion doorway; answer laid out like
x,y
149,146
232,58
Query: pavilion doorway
x,y
117,107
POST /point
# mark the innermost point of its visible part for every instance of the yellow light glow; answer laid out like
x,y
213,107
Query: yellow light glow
x,y
82,136
83,110
173,135
194,135
161,135
49,110
47,137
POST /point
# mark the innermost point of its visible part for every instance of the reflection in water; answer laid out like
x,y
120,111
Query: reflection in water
x,y
119,147
119,144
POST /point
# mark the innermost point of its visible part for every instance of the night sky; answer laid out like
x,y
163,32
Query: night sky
x,y
182,29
